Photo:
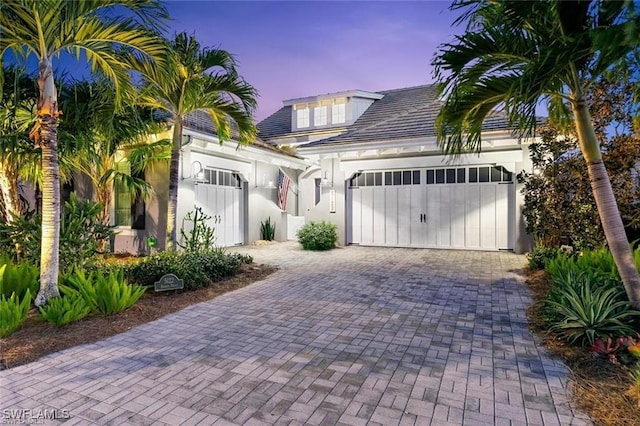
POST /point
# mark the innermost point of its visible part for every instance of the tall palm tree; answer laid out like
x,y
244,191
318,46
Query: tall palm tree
x,y
103,137
516,53
17,114
94,30
200,79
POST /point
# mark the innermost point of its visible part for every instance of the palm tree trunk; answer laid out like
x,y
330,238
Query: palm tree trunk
x,y
606,203
9,192
173,184
47,123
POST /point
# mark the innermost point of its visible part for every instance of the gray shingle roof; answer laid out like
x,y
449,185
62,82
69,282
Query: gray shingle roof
x,y
400,114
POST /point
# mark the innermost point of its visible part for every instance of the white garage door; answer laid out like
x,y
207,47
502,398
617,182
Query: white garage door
x,y
452,207
220,196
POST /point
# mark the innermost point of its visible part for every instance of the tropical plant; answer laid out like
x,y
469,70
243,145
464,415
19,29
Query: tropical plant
x,y
584,313
81,233
63,310
318,236
97,31
540,255
199,236
112,146
13,312
17,279
106,293
203,79
512,55
17,114
267,230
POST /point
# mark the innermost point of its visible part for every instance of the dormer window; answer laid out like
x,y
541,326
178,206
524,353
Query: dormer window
x,y
339,111
320,115
302,116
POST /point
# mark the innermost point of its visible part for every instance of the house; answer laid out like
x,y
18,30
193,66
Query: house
x,y
235,186
377,173
366,161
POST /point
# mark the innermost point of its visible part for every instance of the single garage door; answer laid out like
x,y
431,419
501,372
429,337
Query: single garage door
x,y
450,207
220,196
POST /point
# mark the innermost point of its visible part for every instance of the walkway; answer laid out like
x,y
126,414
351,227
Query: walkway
x,y
353,336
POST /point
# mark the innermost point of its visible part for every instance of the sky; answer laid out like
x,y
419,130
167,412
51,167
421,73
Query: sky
x,y
294,49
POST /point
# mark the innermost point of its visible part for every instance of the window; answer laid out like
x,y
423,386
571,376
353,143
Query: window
x,y
302,116
319,116
129,208
339,113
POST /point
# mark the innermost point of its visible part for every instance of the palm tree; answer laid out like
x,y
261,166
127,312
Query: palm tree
x,y
97,31
105,136
516,53
17,114
200,79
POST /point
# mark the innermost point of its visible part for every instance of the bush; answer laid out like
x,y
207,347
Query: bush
x,y
105,293
62,310
13,312
318,236
540,256
81,233
267,230
17,279
197,268
200,236
585,313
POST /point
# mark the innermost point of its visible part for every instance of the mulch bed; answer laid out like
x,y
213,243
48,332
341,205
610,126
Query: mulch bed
x,y
36,338
599,387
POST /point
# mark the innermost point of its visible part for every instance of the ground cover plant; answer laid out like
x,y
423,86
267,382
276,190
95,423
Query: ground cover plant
x,y
582,313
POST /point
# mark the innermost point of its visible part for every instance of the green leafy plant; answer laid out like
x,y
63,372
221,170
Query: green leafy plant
x,y
197,268
108,293
267,230
18,278
540,255
13,312
81,233
634,388
62,310
199,235
318,236
584,313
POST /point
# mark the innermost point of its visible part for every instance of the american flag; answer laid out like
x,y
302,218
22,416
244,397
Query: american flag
x,y
283,189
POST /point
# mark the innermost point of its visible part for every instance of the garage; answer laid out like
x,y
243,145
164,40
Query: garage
x,y
468,207
220,195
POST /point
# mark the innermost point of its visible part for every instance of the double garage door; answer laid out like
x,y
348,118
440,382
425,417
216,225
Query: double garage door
x,y
452,207
219,195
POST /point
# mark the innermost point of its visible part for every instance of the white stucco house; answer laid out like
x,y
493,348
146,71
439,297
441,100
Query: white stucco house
x,y
366,161
377,172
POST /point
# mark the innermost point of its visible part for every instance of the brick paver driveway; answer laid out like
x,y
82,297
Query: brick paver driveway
x,y
352,336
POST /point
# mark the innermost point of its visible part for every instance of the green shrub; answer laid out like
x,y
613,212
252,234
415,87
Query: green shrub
x,y
318,236
13,312
17,278
580,311
199,236
105,293
540,255
62,310
267,230
81,233
196,268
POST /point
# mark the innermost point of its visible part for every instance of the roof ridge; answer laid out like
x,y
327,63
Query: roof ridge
x,y
419,86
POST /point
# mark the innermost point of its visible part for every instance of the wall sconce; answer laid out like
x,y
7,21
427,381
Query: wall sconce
x,y
270,185
325,180
197,172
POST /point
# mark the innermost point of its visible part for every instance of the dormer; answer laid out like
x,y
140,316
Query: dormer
x,y
330,110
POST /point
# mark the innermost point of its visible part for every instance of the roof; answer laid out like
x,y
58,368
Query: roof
x,y
401,114
200,120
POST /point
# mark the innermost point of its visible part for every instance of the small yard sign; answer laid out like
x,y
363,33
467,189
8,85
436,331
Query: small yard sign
x,y
169,282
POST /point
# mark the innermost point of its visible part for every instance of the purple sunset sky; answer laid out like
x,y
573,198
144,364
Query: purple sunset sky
x,y
292,49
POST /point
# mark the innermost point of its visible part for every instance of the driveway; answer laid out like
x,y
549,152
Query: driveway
x,y
357,335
